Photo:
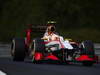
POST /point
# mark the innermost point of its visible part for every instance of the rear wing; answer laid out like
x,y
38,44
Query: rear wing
x,y
38,28
34,31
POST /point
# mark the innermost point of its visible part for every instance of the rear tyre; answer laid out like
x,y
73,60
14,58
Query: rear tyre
x,y
18,49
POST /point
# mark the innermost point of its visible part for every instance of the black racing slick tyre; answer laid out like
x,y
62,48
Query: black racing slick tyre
x,y
38,45
87,48
87,63
18,49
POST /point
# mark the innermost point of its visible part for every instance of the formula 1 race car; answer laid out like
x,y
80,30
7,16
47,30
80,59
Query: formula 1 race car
x,y
38,51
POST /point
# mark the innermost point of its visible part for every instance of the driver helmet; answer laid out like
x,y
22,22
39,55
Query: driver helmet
x,y
49,23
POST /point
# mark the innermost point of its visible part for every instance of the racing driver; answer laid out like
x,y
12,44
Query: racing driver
x,y
53,38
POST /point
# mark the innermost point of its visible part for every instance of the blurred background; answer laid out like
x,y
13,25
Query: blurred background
x,y
76,19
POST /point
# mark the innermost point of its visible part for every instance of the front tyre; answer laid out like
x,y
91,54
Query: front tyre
x,y
88,49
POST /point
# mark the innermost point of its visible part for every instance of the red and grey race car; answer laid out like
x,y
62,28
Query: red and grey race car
x,y
39,52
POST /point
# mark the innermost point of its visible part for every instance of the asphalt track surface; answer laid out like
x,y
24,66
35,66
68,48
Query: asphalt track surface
x,y
28,68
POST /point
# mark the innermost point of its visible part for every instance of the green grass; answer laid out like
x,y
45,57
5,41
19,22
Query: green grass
x,y
81,34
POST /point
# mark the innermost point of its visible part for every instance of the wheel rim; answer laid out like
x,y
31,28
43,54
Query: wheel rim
x,y
13,47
